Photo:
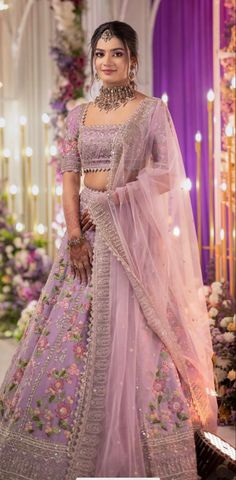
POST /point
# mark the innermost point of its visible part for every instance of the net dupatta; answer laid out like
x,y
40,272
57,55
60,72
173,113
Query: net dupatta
x,y
146,220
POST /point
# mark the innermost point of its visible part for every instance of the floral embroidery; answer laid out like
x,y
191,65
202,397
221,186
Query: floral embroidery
x,y
167,410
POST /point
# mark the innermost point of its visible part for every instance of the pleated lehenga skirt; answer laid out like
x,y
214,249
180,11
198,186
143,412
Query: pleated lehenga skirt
x,y
58,371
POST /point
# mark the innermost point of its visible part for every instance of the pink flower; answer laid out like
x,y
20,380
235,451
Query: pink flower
x,y
63,410
79,350
73,370
176,407
42,343
48,415
57,386
48,428
18,375
158,386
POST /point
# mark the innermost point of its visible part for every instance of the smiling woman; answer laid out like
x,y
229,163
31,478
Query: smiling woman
x,y
114,372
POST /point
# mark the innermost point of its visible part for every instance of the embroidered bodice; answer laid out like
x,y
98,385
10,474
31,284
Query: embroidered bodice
x,y
87,147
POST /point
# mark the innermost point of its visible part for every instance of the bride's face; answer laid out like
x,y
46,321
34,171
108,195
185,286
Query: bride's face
x,y
111,62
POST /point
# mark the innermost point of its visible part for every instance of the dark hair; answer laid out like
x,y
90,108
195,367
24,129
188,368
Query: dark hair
x,y
121,30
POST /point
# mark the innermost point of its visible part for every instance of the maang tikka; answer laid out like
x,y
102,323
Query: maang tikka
x,y
107,35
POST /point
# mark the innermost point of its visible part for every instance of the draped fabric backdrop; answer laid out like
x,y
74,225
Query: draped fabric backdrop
x,y
183,67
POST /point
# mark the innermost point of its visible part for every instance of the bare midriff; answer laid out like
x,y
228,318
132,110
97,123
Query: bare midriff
x,y
96,180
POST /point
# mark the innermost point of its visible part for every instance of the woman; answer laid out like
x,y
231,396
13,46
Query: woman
x,y
114,372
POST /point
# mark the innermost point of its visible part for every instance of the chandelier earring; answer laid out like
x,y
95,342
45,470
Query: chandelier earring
x,y
96,76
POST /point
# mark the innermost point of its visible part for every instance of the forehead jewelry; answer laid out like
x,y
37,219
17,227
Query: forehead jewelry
x,y
107,35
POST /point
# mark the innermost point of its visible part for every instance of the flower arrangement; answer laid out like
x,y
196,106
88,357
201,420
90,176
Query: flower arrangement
x,y
24,267
221,311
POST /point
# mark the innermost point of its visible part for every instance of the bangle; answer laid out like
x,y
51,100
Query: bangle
x,y
75,241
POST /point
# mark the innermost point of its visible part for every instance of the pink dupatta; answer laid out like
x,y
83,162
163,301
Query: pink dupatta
x,y
147,285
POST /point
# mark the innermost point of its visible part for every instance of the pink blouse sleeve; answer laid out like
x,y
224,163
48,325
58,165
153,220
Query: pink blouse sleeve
x,y
71,161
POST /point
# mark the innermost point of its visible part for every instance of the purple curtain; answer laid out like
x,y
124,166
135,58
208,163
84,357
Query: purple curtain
x,y
183,68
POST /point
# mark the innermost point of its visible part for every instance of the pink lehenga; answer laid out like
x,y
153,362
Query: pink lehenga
x,y
112,379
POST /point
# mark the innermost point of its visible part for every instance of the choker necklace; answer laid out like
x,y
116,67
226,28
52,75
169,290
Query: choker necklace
x,y
111,98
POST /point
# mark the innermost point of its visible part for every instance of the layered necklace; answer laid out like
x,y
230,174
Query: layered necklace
x,y
111,98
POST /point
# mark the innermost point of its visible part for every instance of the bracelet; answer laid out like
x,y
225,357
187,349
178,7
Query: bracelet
x,y
75,241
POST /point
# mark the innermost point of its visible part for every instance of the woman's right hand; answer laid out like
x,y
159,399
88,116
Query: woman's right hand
x,y
81,261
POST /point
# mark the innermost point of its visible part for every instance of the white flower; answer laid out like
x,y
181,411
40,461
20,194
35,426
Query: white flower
x,y
216,287
212,322
213,312
206,290
18,242
214,299
228,337
6,289
231,375
226,303
224,322
9,249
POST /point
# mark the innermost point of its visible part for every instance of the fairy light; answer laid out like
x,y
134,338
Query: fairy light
x,y
222,234
165,98
187,184
198,137
210,95
223,186
28,152
23,120
229,130
13,189
53,150
45,118
20,227
41,229
35,190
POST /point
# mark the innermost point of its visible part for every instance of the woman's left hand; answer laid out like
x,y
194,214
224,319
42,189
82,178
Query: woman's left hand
x,y
86,222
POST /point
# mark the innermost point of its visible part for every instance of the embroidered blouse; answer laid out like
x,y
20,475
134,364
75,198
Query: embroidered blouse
x,y
86,147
